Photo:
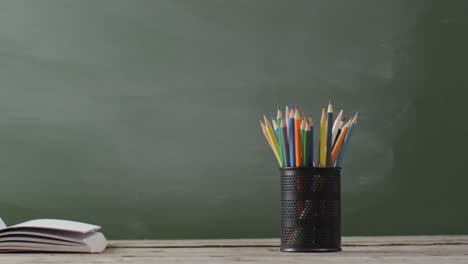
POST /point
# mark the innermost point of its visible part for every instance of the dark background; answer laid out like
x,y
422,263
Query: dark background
x,y
142,116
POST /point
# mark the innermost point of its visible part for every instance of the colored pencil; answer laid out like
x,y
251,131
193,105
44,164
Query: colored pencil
x,y
336,139
280,136
297,138
329,134
303,119
303,140
290,136
272,136
340,128
275,128
323,140
286,118
311,147
292,142
339,143
303,164
269,142
347,140
284,135
306,144
336,126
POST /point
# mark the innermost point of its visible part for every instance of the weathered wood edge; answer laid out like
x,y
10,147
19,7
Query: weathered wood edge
x,y
271,242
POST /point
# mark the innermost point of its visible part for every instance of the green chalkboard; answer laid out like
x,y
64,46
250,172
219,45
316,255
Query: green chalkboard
x,y
142,116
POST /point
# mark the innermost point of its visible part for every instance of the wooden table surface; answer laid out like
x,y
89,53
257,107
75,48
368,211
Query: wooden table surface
x,y
414,249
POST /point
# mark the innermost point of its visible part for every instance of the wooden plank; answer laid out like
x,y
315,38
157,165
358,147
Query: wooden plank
x,y
407,254
347,241
428,250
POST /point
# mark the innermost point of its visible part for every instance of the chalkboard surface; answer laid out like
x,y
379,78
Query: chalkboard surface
x,y
142,116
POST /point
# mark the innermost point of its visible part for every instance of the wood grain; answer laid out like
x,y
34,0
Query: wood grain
x,y
422,249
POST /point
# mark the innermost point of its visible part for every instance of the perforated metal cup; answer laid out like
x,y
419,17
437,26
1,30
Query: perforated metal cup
x,y
310,209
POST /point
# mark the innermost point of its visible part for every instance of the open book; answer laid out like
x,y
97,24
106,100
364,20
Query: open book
x,y
50,235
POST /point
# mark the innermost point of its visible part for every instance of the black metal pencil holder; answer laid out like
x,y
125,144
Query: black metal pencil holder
x,y
310,209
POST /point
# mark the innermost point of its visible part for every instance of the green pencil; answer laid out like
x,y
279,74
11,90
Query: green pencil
x,y
306,155
281,146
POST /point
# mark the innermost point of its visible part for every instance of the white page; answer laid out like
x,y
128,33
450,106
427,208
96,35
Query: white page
x,y
27,246
95,243
2,224
35,240
47,233
56,224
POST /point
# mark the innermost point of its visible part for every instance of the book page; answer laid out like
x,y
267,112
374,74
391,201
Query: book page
x,y
31,247
93,243
34,239
2,224
56,224
47,233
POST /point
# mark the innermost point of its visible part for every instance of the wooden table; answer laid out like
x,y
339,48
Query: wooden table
x,y
415,249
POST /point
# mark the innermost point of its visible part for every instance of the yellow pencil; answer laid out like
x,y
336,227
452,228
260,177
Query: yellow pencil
x,y
271,134
271,137
323,140
269,142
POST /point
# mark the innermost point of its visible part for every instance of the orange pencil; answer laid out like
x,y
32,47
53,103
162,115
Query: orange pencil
x,y
297,138
339,142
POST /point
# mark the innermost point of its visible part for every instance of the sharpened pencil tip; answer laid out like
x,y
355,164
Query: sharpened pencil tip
x,y
355,119
297,115
330,108
340,115
311,121
275,125
265,119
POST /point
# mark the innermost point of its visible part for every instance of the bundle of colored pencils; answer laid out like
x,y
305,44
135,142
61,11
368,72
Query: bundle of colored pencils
x,y
291,137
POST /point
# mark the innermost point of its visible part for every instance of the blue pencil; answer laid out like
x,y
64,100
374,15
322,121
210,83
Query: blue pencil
x,y
346,141
292,152
311,148
275,127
